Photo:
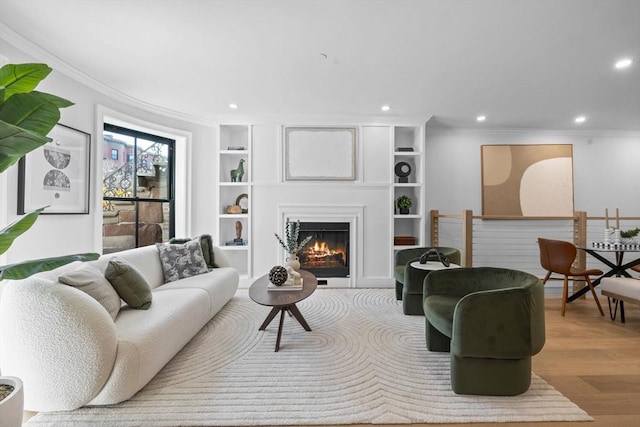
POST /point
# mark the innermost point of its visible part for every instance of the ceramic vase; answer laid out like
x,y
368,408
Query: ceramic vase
x,y
293,265
12,406
293,261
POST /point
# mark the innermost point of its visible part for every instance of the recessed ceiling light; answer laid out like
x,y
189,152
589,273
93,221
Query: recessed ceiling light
x,y
623,63
386,108
580,119
233,106
481,118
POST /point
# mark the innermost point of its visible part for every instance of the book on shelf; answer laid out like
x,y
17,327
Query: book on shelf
x,y
286,286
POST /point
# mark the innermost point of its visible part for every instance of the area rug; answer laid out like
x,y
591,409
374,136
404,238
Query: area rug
x,y
363,362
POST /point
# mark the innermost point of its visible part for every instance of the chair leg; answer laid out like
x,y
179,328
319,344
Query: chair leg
x,y
546,277
595,296
565,294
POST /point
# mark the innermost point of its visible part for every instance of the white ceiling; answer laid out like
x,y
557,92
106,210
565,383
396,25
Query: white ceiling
x,y
522,63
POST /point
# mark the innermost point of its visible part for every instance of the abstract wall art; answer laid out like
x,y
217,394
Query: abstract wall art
x,y
527,180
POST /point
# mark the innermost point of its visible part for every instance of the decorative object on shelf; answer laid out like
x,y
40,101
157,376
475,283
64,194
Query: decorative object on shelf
x,y
404,149
238,173
403,170
404,203
291,245
235,148
238,238
234,209
278,275
404,240
243,201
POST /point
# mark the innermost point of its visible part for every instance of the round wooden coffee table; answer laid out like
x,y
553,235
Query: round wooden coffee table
x,y
282,301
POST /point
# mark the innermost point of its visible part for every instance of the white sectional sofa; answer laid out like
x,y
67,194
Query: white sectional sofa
x,y
68,350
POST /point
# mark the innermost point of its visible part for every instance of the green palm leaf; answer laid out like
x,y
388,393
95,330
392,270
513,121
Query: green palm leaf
x,y
21,78
28,268
11,232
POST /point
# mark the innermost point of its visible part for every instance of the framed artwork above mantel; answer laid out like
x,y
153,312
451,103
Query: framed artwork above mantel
x,y
320,153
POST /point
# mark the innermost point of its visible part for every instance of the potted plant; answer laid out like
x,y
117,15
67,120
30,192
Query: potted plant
x,y
290,242
26,117
404,204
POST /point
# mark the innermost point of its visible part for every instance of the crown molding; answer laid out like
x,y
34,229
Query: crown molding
x,y
611,133
31,49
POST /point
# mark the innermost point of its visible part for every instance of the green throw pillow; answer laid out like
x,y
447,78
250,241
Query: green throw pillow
x,y
206,243
92,282
129,283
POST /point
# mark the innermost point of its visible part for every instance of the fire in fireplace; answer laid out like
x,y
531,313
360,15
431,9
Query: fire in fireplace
x,y
327,254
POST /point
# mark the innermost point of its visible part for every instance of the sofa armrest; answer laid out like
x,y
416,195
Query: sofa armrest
x,y
60,341
498,323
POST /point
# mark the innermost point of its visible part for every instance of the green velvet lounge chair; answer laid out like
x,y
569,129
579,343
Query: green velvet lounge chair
x,y
409,280
491,320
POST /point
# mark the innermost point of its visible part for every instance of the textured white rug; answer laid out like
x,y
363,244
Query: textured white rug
x,y
363,362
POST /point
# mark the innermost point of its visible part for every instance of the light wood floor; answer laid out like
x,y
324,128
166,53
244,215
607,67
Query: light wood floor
x,y
593,361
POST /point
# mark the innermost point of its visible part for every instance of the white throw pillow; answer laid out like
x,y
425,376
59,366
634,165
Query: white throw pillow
x,y
91,281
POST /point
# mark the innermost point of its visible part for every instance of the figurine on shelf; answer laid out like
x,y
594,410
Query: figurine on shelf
x,y
238,173
238,238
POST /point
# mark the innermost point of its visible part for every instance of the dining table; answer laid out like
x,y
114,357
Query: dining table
x,y
617,268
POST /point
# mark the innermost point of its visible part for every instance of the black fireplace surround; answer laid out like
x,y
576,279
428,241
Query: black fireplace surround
x,y
327,253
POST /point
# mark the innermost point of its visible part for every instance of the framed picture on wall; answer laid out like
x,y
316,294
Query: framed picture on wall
x,y
527,180
320,153
57,174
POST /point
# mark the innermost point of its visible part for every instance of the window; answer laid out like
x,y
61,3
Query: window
x,y
137,195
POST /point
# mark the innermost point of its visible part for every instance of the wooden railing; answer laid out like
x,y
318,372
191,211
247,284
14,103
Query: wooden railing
x,y
512,240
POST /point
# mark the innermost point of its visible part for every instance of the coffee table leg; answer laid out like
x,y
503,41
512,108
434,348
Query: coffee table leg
x,y
272,314
296,313
280,329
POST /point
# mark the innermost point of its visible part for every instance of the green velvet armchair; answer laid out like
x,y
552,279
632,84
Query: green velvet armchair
x,y
491,320
409,280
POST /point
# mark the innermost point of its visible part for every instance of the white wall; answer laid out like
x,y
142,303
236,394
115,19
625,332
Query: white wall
x,y
371,190
606,167
606,175
54,235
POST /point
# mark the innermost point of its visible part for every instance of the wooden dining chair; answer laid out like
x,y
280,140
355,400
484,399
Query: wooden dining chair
x,y
557,256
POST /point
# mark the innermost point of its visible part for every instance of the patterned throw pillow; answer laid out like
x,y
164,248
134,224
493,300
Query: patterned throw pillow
x,y
180,261
206,242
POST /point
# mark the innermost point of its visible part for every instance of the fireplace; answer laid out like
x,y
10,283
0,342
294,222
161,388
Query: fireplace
x,y
327,253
